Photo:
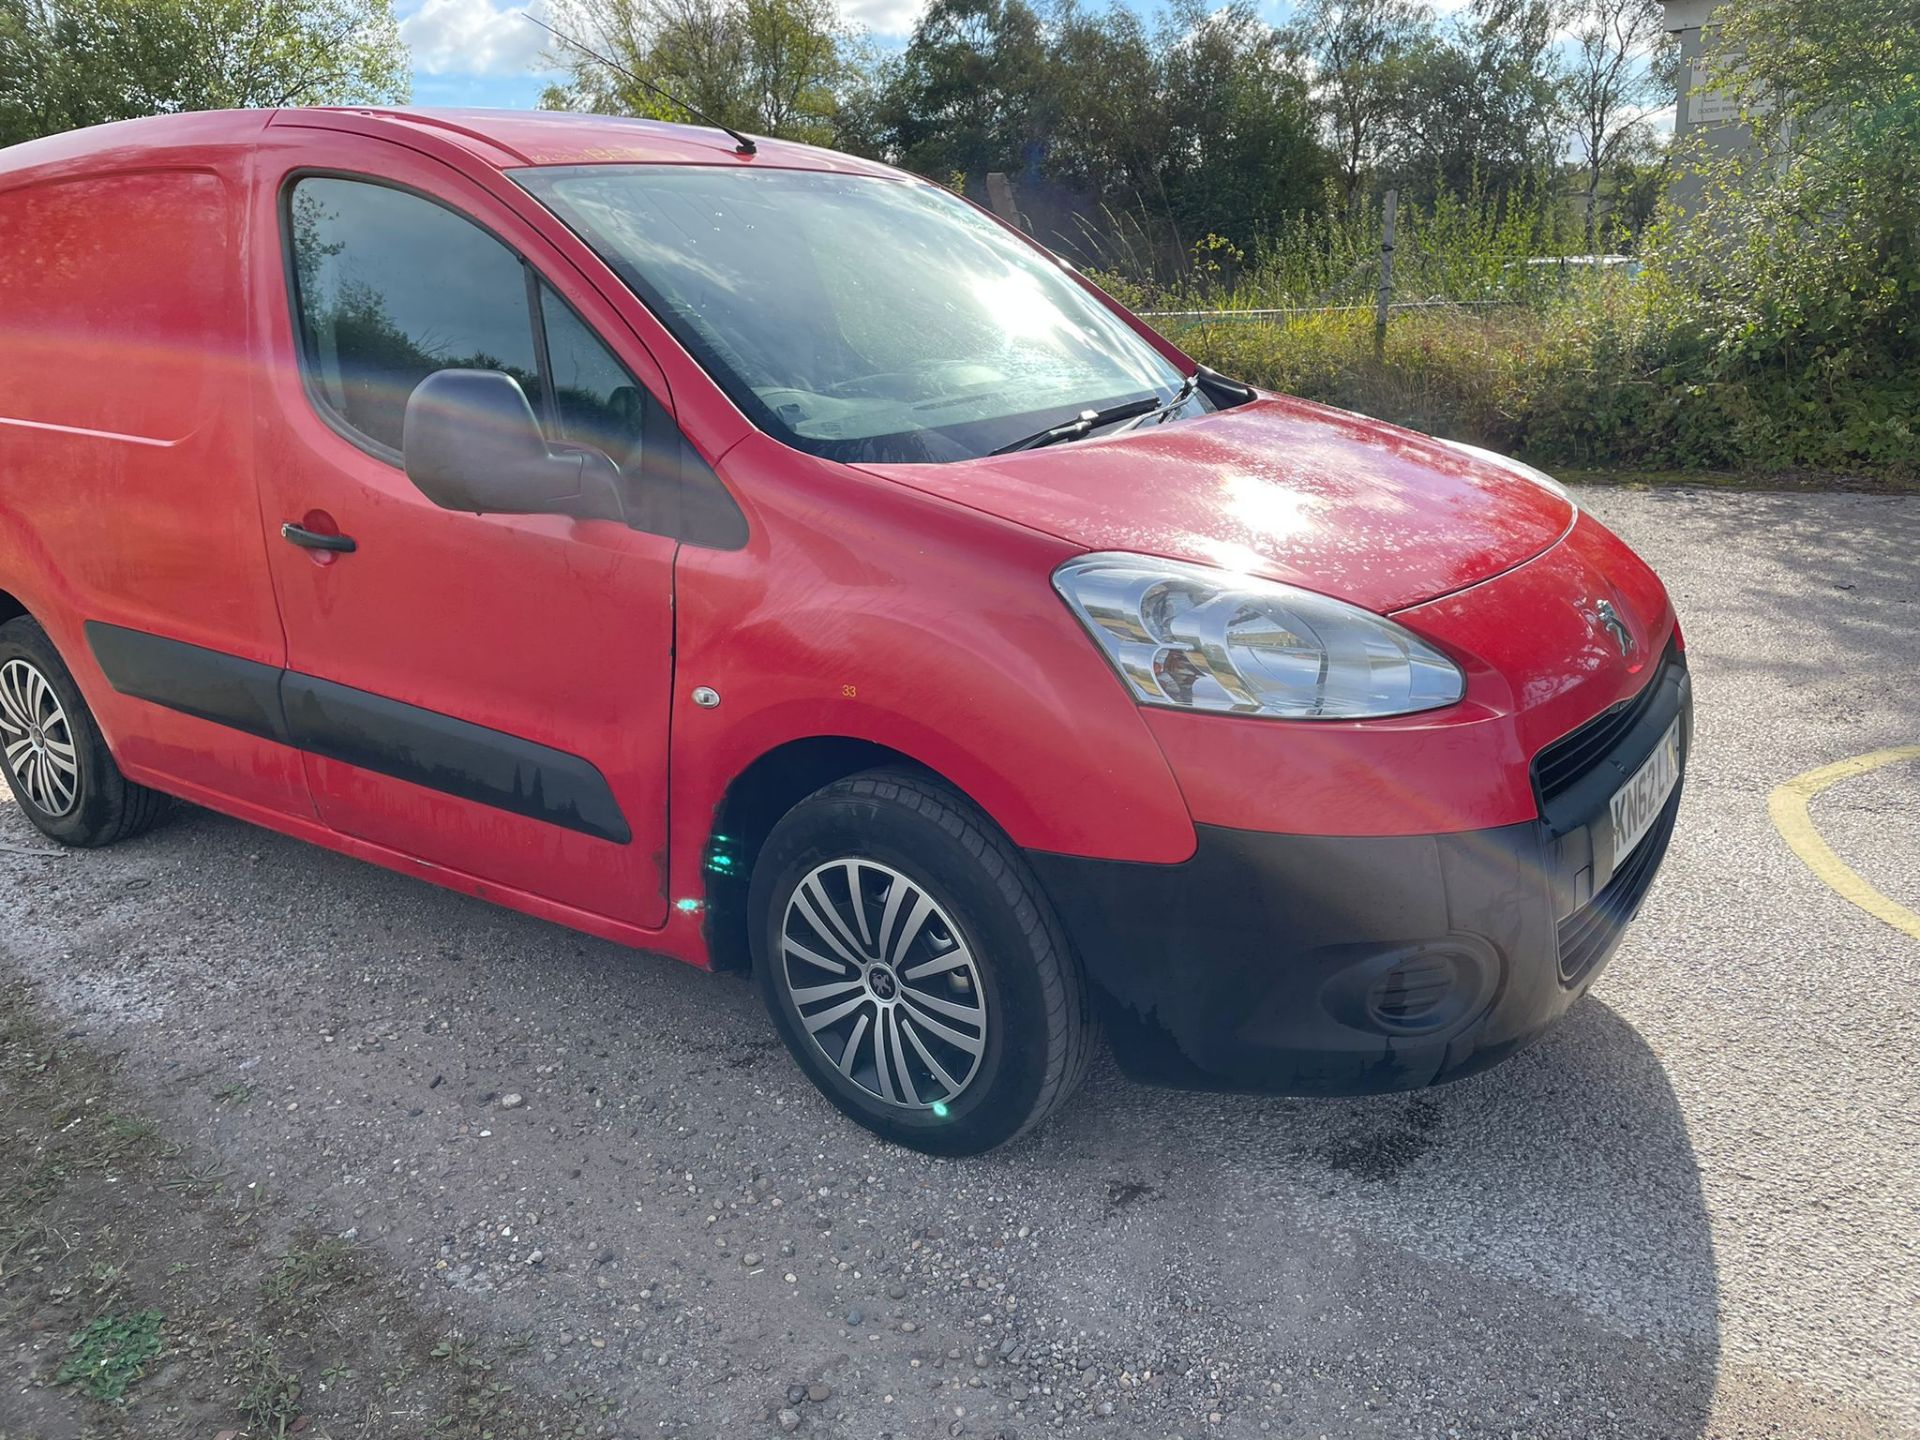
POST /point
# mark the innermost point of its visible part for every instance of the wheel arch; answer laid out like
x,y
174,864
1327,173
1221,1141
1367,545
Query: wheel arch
x,y
752,804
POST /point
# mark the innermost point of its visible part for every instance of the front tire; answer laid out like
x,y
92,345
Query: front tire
x,y
52,754
913,966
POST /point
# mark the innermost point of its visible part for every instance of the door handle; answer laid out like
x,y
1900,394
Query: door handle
x,y
313,540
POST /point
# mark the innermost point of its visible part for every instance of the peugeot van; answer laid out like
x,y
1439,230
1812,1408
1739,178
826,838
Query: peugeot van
x,y
761,556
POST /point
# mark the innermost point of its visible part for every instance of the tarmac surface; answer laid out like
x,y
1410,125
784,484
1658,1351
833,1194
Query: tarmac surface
x,y
1693,1209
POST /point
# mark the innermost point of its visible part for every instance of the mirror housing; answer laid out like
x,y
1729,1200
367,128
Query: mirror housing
x,y
470,442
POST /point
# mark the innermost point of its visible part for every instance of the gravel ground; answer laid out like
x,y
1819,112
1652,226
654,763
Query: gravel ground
x,y
1693,1209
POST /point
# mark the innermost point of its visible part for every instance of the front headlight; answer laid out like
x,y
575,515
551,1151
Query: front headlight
x,y
1202,639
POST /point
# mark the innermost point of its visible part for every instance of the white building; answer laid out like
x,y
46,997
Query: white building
x,y
1706,113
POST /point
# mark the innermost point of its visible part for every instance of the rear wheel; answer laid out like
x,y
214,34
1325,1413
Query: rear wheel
x,y
913,966
52,754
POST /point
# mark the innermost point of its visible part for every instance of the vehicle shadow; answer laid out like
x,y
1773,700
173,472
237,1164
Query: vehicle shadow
x,y
1541,1228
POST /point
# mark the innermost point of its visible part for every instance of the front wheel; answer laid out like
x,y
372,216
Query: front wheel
x,y
913,966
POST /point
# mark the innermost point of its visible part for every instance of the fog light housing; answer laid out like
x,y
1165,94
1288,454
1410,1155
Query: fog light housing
x,y
1416,995
1428,989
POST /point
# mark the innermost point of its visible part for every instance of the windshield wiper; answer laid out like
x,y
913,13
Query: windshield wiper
x,y
1180,397
1083,422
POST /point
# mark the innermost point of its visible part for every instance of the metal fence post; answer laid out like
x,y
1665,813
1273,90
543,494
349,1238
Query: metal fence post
x,y
1392,208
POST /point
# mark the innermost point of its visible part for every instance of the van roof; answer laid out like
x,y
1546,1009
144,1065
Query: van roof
x,y
505,139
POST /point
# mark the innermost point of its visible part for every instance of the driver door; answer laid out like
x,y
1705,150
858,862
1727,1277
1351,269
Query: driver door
x,y
486,694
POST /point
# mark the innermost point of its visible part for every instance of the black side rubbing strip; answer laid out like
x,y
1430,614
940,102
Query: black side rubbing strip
x,y
452,756
225,689
408,742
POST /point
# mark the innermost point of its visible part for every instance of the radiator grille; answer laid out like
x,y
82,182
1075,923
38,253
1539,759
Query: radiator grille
x,y
1563,764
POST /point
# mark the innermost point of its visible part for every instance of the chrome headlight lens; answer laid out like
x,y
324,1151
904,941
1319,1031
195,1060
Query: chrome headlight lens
x,y
1196,638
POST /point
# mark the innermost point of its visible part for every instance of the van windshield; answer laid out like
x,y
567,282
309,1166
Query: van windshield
x,y
858,317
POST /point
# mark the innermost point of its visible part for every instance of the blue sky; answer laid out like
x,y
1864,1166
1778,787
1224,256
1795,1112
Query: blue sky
x,y
481,52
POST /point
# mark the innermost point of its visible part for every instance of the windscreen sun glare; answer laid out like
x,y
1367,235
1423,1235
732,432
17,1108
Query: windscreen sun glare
x,y
860,317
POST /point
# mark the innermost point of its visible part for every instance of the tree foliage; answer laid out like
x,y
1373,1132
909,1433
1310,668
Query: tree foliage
x,y
1609,85
1479,106
970,94
69,63
1359,52
1123,135
1240,145
773,67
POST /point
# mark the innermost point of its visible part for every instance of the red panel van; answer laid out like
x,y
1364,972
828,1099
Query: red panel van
x,y
761,556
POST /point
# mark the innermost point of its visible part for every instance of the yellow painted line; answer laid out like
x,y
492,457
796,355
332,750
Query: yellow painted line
x,y
1788,807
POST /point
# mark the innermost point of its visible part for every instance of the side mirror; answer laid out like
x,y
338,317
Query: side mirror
x,y
471,442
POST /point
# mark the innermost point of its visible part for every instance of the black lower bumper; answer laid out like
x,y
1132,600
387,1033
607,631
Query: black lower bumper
x,y
1319,965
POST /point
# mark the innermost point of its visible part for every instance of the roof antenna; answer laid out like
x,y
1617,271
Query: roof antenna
x,y
745,146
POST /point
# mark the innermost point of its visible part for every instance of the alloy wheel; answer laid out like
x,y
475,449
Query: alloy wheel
x,y
884,984
37,740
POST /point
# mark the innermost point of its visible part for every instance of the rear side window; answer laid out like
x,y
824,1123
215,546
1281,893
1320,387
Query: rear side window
x,y
119,309
392,287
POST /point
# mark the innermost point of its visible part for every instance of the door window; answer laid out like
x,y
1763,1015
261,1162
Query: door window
x,y
393,287
594,401
390,286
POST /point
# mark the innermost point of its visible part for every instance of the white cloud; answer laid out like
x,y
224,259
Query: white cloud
x,y
489,37
472,37
883,17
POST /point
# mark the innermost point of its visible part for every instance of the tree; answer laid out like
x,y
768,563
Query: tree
x,y
1109,136
1239,150
687,48
860,119
1358,50
1635,188
792,64
775,67
1617,71
69,63
1126,141
972,91
1480,104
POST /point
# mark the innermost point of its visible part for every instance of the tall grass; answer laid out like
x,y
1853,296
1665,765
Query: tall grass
x,y
1444,372
1476,248
1594,379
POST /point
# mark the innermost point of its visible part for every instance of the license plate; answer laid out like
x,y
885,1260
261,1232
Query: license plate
x,y
1637,804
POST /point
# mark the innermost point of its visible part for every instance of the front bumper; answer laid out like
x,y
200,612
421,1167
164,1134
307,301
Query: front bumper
x,y
1340,965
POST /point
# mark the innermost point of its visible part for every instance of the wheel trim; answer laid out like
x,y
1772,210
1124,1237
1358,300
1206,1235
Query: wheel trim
x,y
884,985
37,740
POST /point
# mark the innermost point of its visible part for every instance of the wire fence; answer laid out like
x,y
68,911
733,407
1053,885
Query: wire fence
x,y
1274,314
1375,270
